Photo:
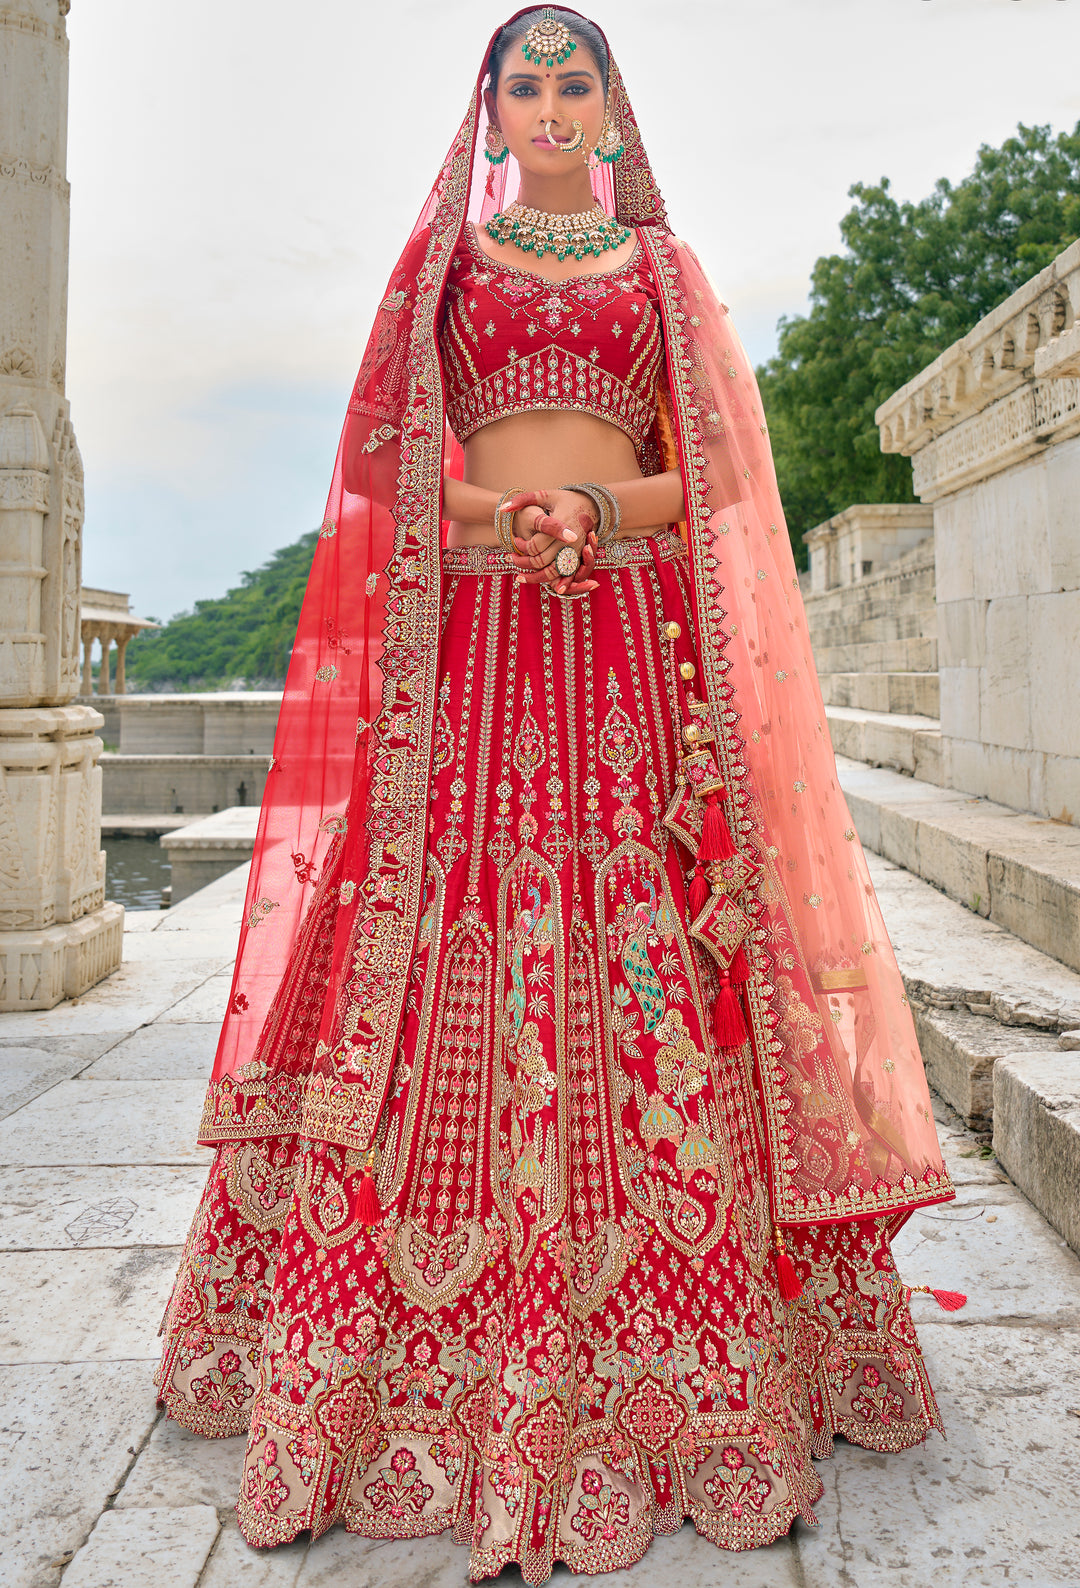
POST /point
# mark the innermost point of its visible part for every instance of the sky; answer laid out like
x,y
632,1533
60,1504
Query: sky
x,y
244,175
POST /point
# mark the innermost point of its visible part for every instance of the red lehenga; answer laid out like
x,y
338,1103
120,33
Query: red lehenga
x,y
521,1124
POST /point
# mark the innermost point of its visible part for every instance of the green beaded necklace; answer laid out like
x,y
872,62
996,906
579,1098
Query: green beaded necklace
x,y
534,232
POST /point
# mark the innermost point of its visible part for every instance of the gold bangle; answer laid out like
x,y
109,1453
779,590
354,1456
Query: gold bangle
x,y
504,529
603,512
607,507
614,512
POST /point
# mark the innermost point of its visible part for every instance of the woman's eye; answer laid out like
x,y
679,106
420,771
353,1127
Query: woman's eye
x,y
522,91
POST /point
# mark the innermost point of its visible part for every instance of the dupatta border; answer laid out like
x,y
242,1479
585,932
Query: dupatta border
x,y
343,1101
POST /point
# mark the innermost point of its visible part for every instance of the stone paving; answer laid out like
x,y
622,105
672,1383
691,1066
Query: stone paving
x,y
99,1180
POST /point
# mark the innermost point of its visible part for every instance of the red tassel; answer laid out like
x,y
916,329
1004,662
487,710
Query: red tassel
x,y
949,1300
716,841
728,1022
790,1285
738,971
790,1289
699,892
368,1210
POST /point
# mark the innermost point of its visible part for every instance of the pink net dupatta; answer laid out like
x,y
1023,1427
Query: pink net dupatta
x,y
783,903
846,1107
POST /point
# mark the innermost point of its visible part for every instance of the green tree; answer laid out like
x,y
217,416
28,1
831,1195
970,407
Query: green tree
x,y
246,634
912,278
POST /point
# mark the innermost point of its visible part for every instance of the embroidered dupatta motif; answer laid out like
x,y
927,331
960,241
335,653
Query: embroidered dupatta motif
x,y
344,824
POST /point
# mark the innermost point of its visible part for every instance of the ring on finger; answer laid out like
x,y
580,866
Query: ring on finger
x,y
568,561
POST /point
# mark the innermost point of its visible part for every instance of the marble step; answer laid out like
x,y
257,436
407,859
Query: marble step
x,y
996,1020
862,622
1020,871
907,693
905,742
206,849
916,654
1037,1133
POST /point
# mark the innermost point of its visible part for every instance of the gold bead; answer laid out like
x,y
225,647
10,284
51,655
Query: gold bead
x,y
691,733
687,671
672,631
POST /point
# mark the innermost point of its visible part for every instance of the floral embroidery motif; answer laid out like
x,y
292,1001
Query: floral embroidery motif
x,y
224,1386
263,1489
603,1511
400,1487
736,1484
876,1401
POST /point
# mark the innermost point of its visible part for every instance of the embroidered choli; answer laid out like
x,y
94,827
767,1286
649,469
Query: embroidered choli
x,y
512,342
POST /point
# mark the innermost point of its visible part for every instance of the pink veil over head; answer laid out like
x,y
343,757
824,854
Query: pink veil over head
x,y
333,901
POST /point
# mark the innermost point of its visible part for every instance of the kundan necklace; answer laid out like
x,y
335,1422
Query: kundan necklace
x,y
534,232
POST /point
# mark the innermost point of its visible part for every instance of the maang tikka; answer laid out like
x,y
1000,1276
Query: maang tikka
x,y
548,42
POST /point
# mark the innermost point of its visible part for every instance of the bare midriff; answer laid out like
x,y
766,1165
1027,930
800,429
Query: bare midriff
x,y
549,447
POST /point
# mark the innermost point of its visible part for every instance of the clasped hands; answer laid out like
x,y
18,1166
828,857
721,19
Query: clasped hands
x,y
545,522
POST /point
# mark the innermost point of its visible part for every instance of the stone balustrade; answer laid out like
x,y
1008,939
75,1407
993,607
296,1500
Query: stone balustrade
x,y
863,540
1000,393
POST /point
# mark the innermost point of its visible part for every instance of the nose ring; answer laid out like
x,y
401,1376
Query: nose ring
x,y
575,142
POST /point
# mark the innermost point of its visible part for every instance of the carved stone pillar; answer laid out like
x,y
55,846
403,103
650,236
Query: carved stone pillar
x,y
104,683
57,935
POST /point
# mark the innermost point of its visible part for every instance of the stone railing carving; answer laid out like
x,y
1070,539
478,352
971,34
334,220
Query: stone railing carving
x,y
18,169
1021,362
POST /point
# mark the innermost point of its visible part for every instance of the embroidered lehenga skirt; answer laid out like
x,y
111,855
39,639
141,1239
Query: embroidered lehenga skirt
x,y
563,1335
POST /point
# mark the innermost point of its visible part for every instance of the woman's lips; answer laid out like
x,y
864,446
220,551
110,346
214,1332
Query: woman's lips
x,y
544,142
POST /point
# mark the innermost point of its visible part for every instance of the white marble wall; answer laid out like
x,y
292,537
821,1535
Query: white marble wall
x,y
993,430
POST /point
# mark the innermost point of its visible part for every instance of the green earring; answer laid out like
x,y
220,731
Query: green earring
x,y
495,150
609,147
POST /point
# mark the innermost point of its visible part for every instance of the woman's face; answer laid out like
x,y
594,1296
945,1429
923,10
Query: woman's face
x,y
529,96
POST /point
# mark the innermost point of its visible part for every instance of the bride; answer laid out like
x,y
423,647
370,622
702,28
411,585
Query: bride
x,y
568,1099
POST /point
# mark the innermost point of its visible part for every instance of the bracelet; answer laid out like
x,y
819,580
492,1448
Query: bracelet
x,y
607,508
504,523
616,515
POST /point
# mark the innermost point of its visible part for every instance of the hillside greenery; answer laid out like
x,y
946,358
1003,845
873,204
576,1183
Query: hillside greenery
x,y
242,638
911,279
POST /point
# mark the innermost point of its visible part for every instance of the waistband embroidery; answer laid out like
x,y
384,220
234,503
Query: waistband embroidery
x,y
621,554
